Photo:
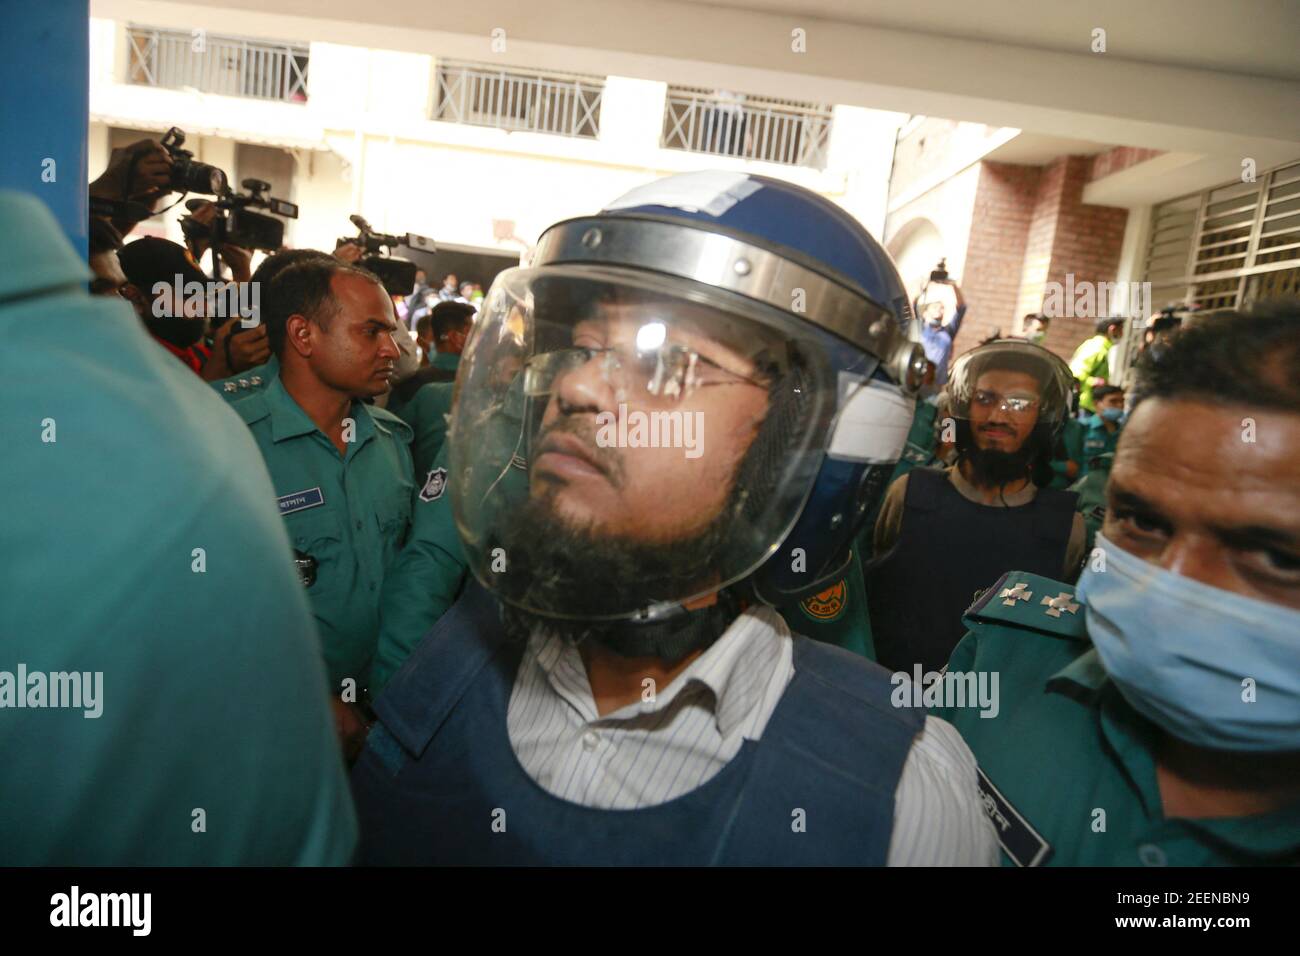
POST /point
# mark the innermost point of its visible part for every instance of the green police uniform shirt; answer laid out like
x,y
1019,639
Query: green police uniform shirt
x,y
1067,769
251,380
1097,441
1091,489
142,558
426,413
426,579
347,517
1072,434
837,615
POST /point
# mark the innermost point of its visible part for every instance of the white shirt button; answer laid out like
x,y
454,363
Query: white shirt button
x,y
589,740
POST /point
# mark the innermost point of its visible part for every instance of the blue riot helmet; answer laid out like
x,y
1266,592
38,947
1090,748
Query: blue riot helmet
x,y
691,398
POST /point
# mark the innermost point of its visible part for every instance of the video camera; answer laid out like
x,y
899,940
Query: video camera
x,y
188,175
237,223
397,274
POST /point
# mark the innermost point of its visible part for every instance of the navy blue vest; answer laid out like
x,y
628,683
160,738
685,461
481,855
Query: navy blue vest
x,y
948,549
438,782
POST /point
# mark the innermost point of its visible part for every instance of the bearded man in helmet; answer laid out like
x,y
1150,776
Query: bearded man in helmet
x,y
615,686
946,534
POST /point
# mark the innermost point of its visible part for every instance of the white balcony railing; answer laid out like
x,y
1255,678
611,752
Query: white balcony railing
x,y
747,127
228,66
518,99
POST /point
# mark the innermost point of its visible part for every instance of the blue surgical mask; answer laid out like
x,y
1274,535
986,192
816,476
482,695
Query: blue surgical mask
x,y
1111,414
1181,652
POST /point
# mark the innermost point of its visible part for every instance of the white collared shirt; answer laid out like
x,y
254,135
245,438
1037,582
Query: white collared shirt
x,y
678,737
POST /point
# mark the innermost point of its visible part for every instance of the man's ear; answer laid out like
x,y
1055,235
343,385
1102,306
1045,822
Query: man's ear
x,y
137,299
298,334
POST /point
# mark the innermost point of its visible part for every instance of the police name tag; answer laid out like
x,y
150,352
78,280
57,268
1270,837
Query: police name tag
x,y
1022,842
300,501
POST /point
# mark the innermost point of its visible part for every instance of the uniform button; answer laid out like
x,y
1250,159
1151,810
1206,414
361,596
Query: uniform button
x,y
589,740
358,525
372,587
1152,855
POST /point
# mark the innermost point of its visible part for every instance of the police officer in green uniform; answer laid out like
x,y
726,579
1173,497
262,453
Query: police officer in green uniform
x,y
341,468
234,387
450,326
1149,717
144,562
1101,430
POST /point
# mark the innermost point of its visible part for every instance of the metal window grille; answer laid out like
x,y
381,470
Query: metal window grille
x,y
228,66
518,99
747,127
1227,247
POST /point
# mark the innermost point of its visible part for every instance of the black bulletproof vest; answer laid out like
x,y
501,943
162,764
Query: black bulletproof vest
x,y
950,548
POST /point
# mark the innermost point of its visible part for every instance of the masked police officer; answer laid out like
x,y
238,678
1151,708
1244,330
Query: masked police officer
x,y
341,468
947,530
1152,715
709,404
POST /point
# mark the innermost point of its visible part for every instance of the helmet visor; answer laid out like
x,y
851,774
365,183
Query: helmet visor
x,y
623,443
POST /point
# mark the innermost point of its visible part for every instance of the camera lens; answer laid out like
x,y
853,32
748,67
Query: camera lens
x,y
198,178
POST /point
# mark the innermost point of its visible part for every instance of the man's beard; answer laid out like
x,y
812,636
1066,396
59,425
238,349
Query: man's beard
x,y
574,583
993,468
176,331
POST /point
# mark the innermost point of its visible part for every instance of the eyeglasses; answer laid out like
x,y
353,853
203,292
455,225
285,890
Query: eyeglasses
x,y
1015,404
668,373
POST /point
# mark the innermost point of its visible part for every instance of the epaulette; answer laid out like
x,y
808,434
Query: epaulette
x,y
1029,602
233,389
387,421
251,406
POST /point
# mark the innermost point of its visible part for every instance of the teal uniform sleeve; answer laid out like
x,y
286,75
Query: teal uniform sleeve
x,y
1072,441
837,615
142,535
425,580
427,412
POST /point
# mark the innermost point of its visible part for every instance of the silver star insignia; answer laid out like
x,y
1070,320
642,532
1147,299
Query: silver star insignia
x,y
1017,593
1062,602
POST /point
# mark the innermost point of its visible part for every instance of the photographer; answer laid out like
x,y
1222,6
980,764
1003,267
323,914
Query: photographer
x,y
139,173
154,270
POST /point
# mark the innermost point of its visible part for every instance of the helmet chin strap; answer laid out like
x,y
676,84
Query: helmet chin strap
x,y
667,639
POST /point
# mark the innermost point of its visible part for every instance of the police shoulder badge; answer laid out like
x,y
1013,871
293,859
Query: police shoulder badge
x,y
434,485
827,605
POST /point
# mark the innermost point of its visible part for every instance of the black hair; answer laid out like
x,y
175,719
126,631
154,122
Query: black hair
x,y
424,324
1103,324
1247,358
1164,323
304,288
277,262
1101,391
447,317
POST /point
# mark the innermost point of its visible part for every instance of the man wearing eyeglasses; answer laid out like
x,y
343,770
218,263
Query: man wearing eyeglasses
x,y
650,451
950,532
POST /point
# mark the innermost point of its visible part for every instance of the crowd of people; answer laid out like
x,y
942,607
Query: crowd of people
x,y
368,580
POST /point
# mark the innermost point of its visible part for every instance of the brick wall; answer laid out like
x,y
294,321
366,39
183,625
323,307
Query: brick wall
x,y
1086,243
1004,204
1024,226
